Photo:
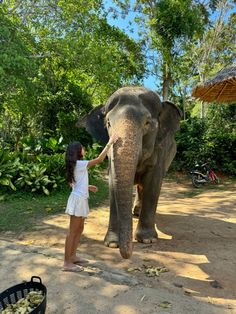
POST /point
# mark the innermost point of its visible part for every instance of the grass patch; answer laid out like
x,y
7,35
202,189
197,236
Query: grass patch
x,y
21,211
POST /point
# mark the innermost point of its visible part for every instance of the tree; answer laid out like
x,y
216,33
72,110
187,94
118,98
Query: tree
x,y
76,38
215,50
17,69
68,58
165,27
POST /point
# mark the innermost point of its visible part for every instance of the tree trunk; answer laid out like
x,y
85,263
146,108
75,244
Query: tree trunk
x,y
166,82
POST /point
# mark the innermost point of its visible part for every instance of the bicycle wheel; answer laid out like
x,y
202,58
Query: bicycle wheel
x,y
196,180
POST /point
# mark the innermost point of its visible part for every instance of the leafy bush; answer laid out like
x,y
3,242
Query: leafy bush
x,y
67,127
190,144
33,178
9,166
46,144
221,150
200,140
91,153
55,167
19,171
38,172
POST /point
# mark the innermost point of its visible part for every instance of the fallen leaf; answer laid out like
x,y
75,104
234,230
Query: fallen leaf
x,y
187,292
163,269
152,271
134,269
143,297
48,209
165,304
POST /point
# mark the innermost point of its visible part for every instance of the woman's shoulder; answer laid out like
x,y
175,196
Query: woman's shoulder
x,y
82,163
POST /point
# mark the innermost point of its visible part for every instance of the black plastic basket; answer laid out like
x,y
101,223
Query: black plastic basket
x,y
15,293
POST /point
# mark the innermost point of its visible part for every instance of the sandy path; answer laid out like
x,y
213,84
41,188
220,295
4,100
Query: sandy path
x,y
196,244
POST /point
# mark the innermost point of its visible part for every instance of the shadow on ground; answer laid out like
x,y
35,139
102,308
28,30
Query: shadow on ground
x,y
196,244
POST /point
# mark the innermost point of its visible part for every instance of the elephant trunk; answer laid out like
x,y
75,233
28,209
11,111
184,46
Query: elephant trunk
x,y
124,161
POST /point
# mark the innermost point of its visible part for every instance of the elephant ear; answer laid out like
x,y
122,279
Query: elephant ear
x,y
94,124
169,120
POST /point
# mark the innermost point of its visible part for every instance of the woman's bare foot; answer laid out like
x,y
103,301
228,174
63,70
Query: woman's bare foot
x,y
79,260
72,268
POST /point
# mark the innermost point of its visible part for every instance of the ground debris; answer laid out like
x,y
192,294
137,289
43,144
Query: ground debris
x,y
216,284
134,269
178,285
165,304
187,292
149,270
143,297
152,271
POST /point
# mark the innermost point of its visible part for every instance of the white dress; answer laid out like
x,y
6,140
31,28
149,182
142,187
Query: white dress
x,y
77,204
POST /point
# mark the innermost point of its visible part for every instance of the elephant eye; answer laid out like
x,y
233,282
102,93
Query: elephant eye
x,y
147,122
108,124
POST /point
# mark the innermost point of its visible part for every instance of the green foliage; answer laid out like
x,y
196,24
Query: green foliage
x,y
92,152
177,20
9,165
20,210
66,104
57,58
16,67
36,171
41,174
55,164
46,144
190,144
221,150
69,131
33,178
208,139
220,136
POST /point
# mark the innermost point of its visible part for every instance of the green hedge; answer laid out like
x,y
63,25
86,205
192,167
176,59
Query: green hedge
x,y
36,172
197,142
41,173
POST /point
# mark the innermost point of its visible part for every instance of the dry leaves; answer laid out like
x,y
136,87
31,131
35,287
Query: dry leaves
x,y
149,271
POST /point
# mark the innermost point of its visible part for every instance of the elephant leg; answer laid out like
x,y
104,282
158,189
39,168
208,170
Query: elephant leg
x,y
137,201
112,236
145,231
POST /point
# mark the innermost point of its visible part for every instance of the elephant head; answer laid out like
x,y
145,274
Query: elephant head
x,y
143,124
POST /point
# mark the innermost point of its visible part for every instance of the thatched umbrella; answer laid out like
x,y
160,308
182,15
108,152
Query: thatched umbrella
x,y
221,88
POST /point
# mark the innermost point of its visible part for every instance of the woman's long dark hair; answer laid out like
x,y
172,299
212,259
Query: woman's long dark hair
x,y
73,153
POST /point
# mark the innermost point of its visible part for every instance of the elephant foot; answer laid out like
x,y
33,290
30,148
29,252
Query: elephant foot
x,y
146,236
111,240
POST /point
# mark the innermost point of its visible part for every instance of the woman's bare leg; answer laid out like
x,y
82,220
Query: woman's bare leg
x,y
74,258
72,239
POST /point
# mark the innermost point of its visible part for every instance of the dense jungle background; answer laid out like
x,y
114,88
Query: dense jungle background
x,y
61,58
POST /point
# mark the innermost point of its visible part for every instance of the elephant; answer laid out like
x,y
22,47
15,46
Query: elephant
x,y
146,146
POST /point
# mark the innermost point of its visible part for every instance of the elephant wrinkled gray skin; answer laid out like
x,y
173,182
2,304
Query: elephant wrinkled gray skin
x,y
146,147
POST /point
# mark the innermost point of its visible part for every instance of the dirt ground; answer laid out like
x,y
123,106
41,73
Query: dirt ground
x,y
194,259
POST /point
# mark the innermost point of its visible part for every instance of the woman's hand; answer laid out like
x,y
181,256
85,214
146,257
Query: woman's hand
x,y
93,188
103,154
